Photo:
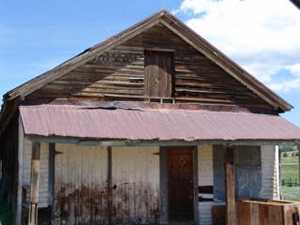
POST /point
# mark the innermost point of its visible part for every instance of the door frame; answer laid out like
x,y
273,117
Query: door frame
x,y
164,193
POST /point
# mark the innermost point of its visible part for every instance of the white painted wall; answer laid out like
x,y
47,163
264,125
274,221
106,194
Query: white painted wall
x,y
43,193
270,172
205,178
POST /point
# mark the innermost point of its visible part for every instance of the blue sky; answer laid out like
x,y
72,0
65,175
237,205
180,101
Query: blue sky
x,y
37,35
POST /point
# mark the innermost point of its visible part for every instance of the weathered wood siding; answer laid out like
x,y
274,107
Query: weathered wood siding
x,y
80,185
270,172
44,189
205,165
119,75
135,174
205,178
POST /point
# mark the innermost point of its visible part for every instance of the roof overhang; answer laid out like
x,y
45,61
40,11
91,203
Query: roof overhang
x,y
154,125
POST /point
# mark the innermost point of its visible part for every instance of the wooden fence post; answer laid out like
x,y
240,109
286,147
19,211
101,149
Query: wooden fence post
x,y
34,184
231,215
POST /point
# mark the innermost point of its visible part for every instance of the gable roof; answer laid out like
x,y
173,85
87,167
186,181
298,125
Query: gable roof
x,y
180,29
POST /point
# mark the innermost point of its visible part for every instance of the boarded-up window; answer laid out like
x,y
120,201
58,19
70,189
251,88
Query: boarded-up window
x,y
159,71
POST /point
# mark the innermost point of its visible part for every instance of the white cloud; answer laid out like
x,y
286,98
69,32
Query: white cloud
x,y
262,35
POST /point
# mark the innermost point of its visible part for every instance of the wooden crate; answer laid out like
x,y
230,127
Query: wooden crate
x,y
267,212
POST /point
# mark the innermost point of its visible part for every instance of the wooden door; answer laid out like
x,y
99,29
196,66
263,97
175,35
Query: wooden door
x,y
159,71
180,184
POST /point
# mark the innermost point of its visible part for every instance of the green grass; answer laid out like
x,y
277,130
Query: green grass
x,y
290,193
289,172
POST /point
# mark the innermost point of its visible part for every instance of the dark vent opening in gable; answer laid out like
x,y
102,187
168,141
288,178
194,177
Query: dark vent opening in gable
x,y
159,74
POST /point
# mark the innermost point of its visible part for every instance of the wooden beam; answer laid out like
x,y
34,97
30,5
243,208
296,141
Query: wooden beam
x,y
34,184
231,214
105,143
20,174
51,179
109,185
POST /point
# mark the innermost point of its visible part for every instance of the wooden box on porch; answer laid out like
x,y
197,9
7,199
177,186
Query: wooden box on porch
x,y
268,212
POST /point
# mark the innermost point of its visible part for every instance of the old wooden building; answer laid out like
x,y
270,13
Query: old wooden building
x,y
152,126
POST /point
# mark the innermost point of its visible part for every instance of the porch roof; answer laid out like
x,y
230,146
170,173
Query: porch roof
x,y
153,124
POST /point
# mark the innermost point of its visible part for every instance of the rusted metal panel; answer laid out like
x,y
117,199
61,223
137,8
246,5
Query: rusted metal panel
x,y
80,185
150,124
135,173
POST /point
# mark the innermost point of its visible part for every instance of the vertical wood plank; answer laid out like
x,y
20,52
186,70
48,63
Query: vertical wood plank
x,y
263,214
195,183
231,215
34,184
163,186
159,74
51,179
275,215
244,213
109,185
20,174
254,212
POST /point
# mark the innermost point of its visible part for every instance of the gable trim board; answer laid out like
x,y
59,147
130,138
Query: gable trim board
x,y
176,27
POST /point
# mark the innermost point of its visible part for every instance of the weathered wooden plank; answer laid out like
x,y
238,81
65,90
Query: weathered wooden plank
x,y
231,215
109,186
20,172
120,70
81,184
51,180
159,74
34,184
244,216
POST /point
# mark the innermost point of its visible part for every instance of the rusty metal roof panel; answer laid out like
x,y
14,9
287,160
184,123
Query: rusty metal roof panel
x,y
153,124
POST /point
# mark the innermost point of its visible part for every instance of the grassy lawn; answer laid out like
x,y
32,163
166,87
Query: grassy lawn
x,y
289,174
290,193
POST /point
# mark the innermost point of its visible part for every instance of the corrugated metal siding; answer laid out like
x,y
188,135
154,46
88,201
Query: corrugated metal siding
x,y
43,192
135,173
270,182
205,178
80,185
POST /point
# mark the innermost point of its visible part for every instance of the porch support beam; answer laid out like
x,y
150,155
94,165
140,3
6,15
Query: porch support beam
x,y
112,143
34,184
230,197
51,180
20,174
109,185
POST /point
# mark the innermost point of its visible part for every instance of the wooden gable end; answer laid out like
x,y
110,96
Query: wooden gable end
x,y
119,74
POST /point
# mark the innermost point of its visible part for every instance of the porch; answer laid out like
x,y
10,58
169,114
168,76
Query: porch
x,y
81,180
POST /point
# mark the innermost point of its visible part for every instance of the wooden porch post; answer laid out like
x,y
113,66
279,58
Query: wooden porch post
x,y
231,215
51,180
34,184
109,185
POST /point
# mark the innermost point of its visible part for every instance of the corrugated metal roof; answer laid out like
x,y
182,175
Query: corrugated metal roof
x,y
153,124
